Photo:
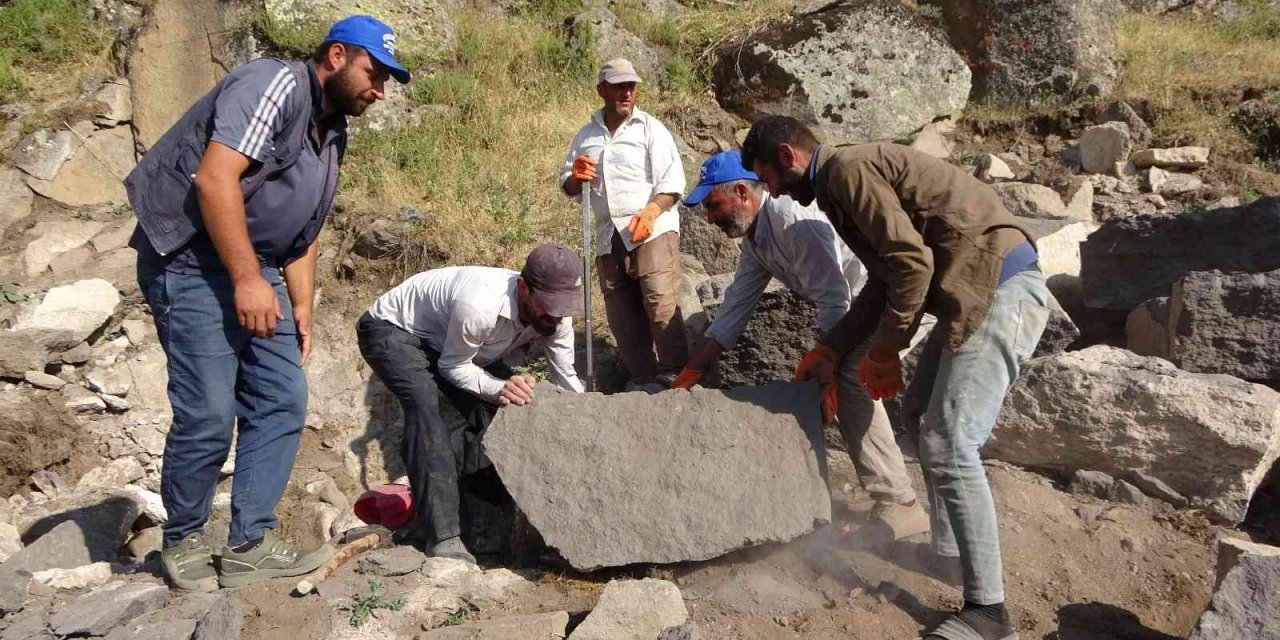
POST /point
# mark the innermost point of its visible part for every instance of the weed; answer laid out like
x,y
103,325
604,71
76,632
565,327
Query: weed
x,y
464,612
1251,194
363,606
10,294
44,33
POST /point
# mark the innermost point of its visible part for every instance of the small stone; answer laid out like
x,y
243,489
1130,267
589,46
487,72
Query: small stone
x,y
1186,158
78,354
1105,148
1127,493
49,483
100,612
115,403
633,610
117,103
1092,483
396,561
145,542
42,154
171,630
116,381
140,331
988,168
81,400
81,308
87,576
10,541
116,474
42,380
1157,488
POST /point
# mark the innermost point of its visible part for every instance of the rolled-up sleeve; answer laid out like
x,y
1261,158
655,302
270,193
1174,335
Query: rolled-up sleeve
x,y
874,207
560,358
740,299
467,331
566,168
823,279
664,161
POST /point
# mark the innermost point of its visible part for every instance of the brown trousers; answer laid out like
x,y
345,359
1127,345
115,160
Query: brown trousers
x,y
641,291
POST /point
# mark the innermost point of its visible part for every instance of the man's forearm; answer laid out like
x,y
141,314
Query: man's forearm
x,y
663,200
300,275
222,209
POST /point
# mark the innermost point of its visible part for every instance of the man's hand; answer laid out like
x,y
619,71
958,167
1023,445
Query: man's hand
x,y
302,318
584,168
881,373
257,306
687,378
517,391
642,221
820,365
703,359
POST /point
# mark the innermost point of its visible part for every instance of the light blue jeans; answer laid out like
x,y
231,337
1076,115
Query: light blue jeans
x,y
952,405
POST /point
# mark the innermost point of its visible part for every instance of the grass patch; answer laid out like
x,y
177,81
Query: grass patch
x,y
1193,71
42,34
363,606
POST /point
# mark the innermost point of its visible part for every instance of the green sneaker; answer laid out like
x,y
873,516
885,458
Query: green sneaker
x,y
272,558
188,565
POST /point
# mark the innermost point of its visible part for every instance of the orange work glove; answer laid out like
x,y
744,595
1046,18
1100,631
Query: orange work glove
x,y
820,365
584,168
881,373
642,222
687,378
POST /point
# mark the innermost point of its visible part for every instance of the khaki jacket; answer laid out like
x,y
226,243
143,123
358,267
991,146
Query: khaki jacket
x,y
932,235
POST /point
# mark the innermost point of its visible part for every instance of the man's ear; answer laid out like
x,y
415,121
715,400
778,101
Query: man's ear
x,y
337,56
786,155
742,191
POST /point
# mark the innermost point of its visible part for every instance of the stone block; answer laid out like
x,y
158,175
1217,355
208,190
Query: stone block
x,y
1227,323
107,608
80,308
633,610
1247,594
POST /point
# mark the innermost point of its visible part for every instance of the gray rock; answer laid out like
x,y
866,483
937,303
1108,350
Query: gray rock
x,y
1031,200
610,39
223,620
29,625
114,237
171,630
664,478
42,154
78,354
54,238
70,544
1127,494
1156,488
116,380
1167,183
782,330
1147,329
1059,334
105,609
1226,323
422,26
633,610
1105,148
707,243
15,197
116,99
81,400
80,308
989,168
42,380
1131,260
10,541
1051,51
1247,594
686,631
95,174
1210,437
859,70
1185,158
396,561
529,627
115,403
1092,483
1120,111
116,474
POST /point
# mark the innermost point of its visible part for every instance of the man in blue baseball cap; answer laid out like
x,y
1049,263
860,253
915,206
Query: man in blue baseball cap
x,y
230,202
797,245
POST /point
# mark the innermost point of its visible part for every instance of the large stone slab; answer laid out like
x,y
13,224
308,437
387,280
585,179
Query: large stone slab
x,y
1227,323
1185,158
95,174
1247,595
1131,260
782,330
80,308
102,611
860,70
664,478
1212,438
540,626
54,238
633,610
42,153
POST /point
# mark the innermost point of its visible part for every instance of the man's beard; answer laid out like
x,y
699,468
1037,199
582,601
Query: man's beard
x,y
737,225
622,112
339,89
798,187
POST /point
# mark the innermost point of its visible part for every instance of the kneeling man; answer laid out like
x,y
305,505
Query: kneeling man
x,y
440,338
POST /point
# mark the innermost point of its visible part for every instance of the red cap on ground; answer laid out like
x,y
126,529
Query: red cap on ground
x,y
390,505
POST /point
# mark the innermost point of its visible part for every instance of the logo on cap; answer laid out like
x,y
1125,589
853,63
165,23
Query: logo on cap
x,y
389,43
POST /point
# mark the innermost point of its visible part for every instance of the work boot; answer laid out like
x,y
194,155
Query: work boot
x,y
452,548
188,565
903,520
272,558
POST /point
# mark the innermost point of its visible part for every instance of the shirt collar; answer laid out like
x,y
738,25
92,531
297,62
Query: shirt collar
x,y
757,231
813,167
598,117
509,303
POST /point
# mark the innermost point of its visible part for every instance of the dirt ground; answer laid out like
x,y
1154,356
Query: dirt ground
x,y
36,434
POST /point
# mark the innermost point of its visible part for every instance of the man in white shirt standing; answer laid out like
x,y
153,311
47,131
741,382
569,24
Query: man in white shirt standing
x,y
636,178
438,341
797,245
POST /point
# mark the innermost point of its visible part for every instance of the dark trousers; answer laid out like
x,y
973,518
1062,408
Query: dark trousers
x,y
443,426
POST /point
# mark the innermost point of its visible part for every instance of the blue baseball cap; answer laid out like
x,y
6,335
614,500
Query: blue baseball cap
x,y
375,37
723,167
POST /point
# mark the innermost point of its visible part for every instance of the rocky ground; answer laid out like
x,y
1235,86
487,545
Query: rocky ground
x,y
1144,435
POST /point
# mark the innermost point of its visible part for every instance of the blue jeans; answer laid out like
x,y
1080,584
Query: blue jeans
x,y
952,405
222,378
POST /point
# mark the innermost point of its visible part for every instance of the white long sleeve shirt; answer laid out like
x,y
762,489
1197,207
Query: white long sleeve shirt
x,y
797,245
633,164
471,317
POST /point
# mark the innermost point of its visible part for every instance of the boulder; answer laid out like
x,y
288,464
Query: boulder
x,y
1052,51
116,99
538,626
1247,594
1060,261
1227,323
1120,111
95,174
1185,158
782,330
15,197
1147,329
664,478
423,27
610,39
1212,438
105,609
41,154
80,308
860,70
1131,260
54,238
989,168
1105,148
1031,200
717,252
633,610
